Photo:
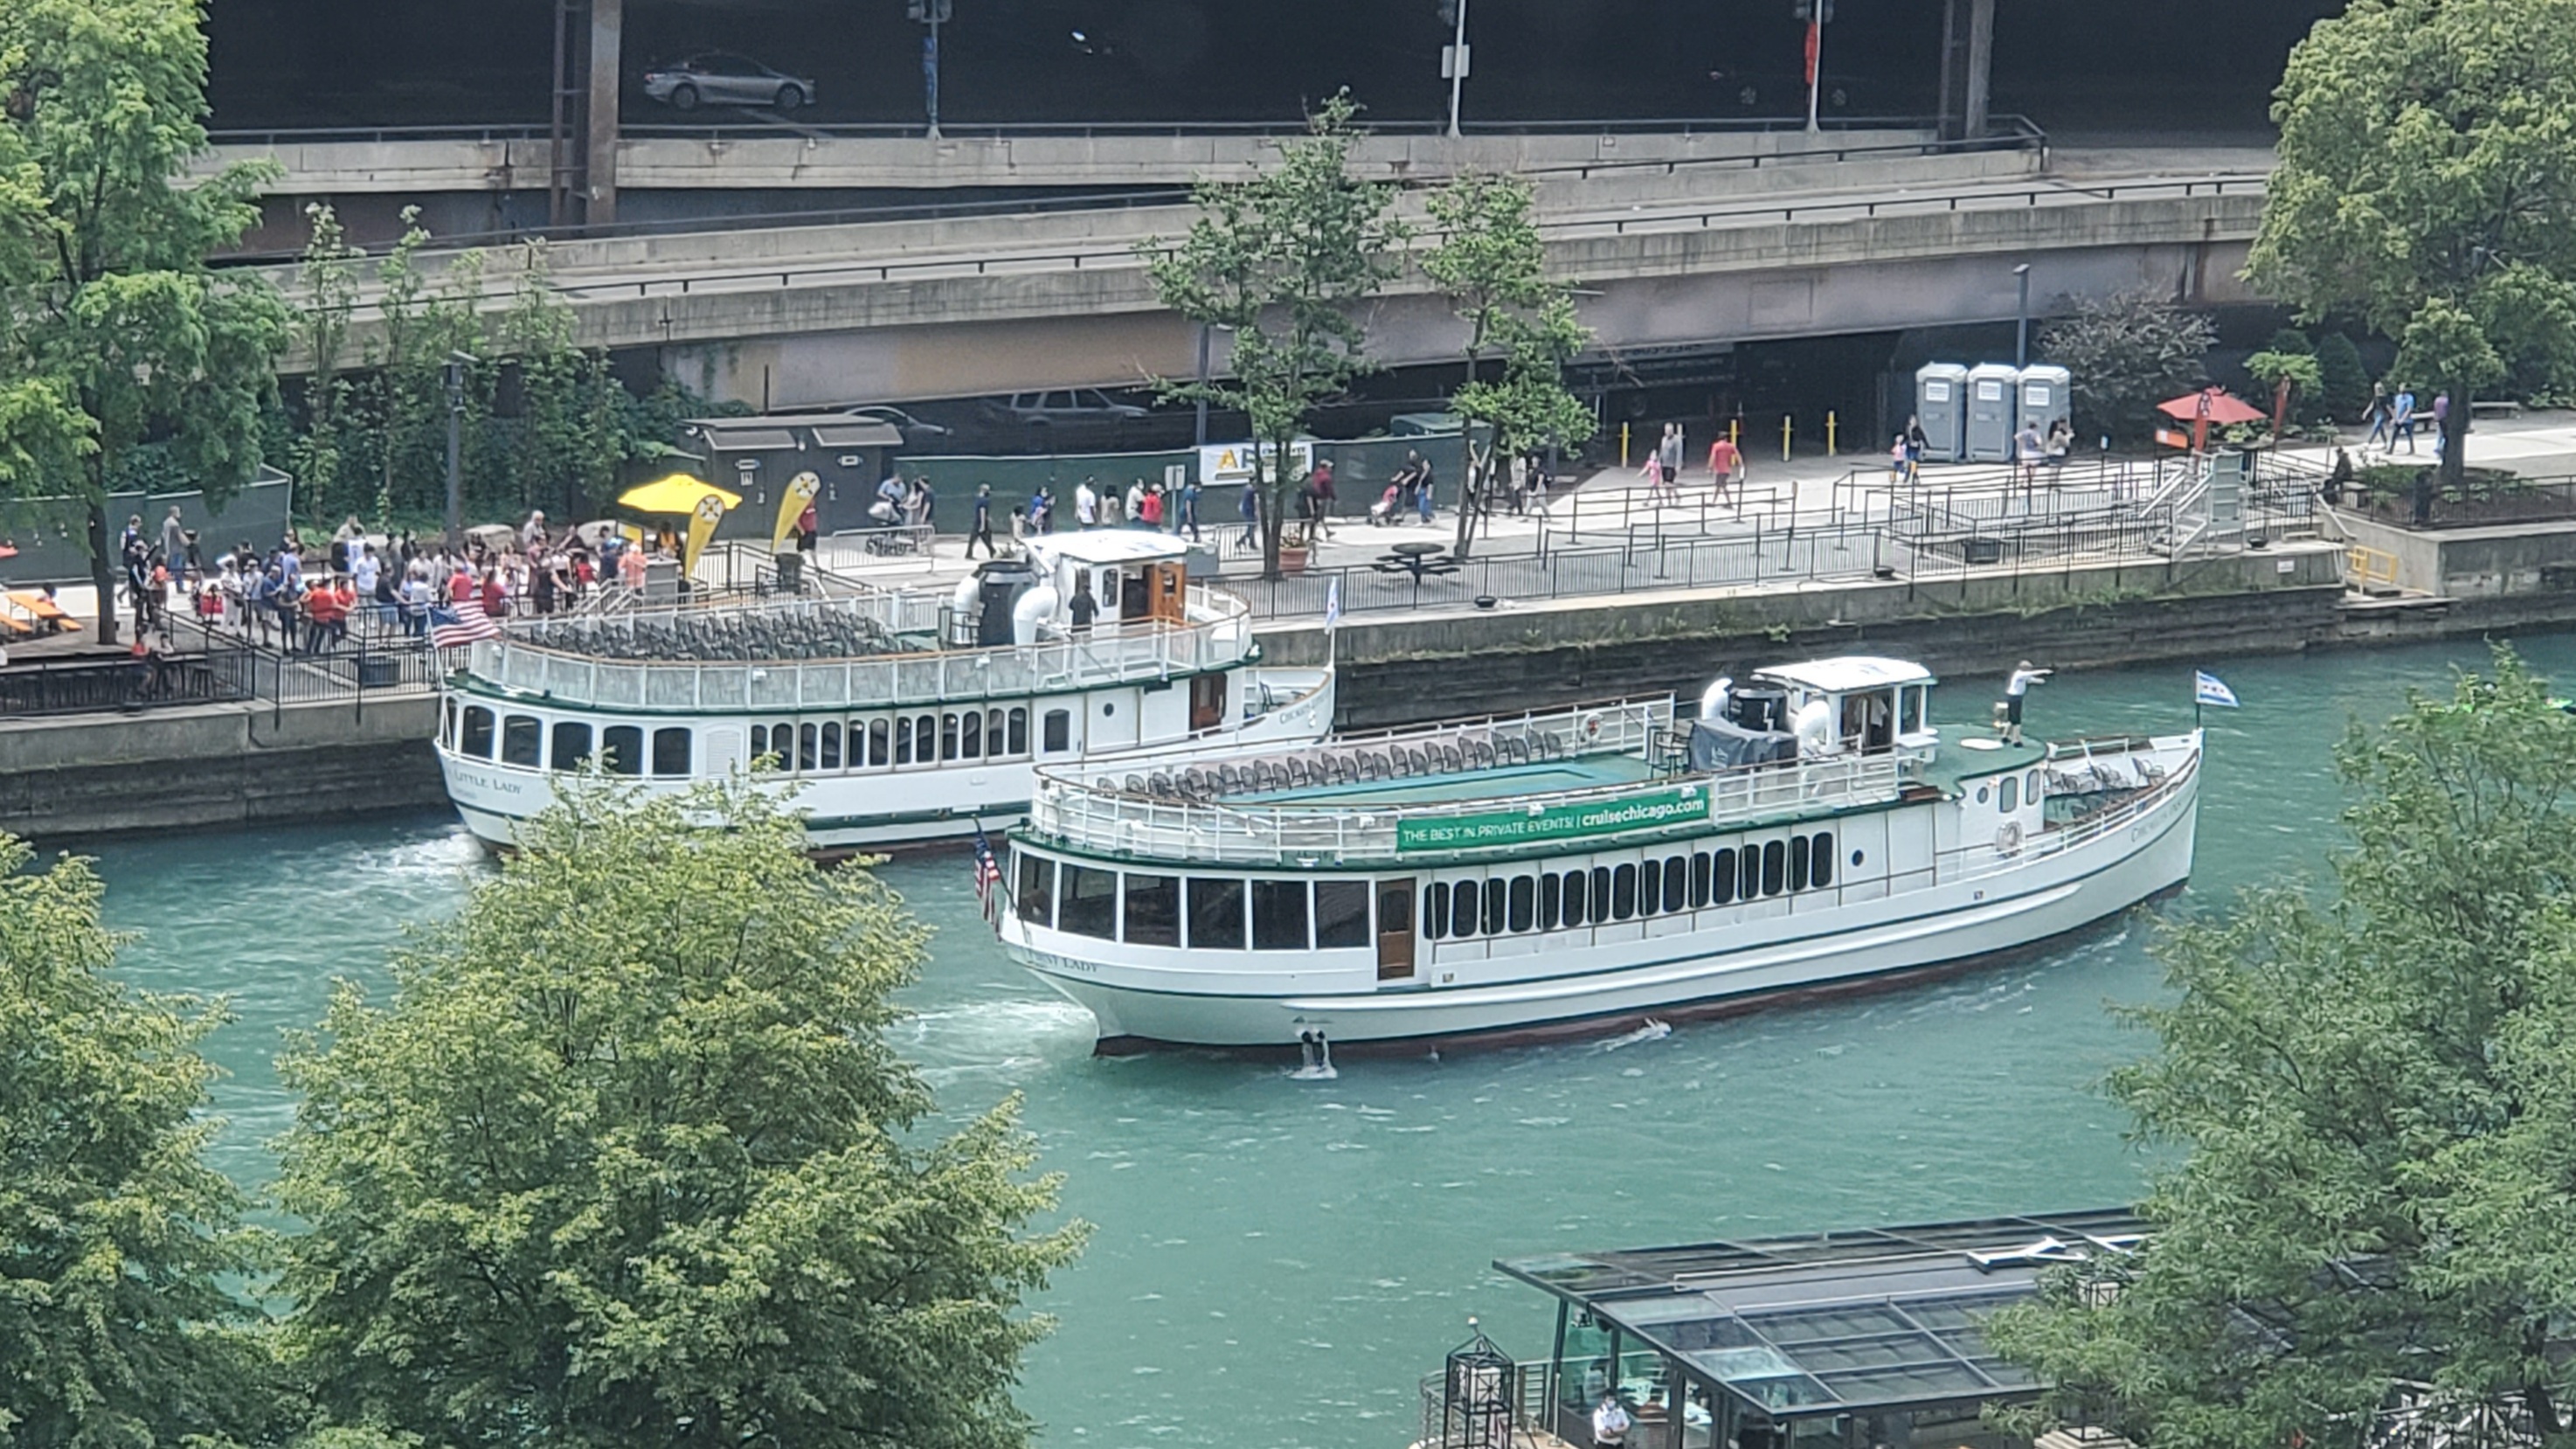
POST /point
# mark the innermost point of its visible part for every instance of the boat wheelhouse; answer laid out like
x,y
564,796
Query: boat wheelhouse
x,y
901,715
1580,869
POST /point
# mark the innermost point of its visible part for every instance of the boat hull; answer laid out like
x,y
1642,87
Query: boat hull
x,y
1983,916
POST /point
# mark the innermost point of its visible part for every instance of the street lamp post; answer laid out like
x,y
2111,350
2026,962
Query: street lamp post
x,y
1453,59
2021,318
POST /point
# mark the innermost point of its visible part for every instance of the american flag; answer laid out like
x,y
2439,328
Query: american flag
x,y
471,624
988,872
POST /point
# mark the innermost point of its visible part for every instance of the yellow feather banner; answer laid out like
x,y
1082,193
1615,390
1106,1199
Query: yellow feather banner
x,y
800,490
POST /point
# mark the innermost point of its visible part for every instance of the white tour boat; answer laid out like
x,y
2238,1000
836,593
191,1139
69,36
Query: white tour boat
x,y
900,715
1580,870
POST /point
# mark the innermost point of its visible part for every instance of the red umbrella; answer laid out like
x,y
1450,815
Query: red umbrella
x,y
2207,406
2214,403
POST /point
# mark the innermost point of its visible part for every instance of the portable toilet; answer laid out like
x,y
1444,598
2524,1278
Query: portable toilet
x,y
1994,400
1941,406
2045,399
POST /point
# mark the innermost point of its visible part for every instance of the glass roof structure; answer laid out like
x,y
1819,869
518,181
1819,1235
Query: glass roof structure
x,y
1834,1323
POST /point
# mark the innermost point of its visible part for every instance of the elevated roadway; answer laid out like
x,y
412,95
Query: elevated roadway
x,y
937,308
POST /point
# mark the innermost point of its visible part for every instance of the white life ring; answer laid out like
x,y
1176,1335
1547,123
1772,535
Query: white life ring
x,y
2008,839
1592,726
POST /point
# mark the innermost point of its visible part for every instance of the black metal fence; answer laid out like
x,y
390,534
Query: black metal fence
x,y
94,686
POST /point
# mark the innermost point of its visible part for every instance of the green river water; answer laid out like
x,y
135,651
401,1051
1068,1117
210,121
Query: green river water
x,y
1276,1262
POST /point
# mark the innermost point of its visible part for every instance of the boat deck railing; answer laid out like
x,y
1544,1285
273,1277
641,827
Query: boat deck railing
x,y
1209,813
1218,634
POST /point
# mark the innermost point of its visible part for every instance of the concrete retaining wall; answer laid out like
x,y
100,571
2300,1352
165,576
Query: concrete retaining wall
x,y
2470,563
216,765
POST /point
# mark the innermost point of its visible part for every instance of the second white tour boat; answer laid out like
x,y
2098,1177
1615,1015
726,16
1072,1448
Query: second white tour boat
x,y
898,715
1585,869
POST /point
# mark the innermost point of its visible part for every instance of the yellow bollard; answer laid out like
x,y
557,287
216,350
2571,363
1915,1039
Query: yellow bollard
x,y
1623,445
1830,449
1785,422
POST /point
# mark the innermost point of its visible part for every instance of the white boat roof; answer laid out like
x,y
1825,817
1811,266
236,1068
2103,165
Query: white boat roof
x,y
1107,546
1847,673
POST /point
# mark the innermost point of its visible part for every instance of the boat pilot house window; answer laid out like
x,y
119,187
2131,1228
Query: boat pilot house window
x,y
1657,886
1205,913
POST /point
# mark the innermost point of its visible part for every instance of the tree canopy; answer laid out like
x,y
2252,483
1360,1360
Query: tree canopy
x,y
2128,352
628,1160
1281,263
2427,181
118,335
1491,261
2375,1098
115,1326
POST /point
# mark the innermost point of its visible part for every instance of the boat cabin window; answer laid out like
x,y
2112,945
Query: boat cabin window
x,y
1495,891
624,746
1435,909
1279,916
1676,881
1910,709
478,733
1466,897
806,738
1216,914
1019,731
832,745
1869,720
1821,874
671,751
1577,901
1650,888
1721,885
880,742
1037,890
447,723
572,745
1058,735
1798,861
1524,906
2008,795
1341,914
1551,902
1699,880
1775,866
519,744
1153,910
1748,879
1623,892
948,737
1087,904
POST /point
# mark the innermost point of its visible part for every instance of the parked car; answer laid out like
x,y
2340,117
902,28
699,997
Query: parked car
x,y
1065,417
918,436
722,78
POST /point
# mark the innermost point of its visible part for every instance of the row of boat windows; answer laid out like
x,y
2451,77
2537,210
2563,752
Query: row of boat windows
x,y
1205,913
525,741
919,739
1552,901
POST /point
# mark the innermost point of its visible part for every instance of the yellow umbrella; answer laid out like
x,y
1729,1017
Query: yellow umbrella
x,y
678,493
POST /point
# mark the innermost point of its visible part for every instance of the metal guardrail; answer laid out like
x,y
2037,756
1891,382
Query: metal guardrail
x,y
97,686
2008,128
1220,635
1129,254
1148,809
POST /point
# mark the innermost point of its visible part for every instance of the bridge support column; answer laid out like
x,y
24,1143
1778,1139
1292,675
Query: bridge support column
x,y
1981,63
599,114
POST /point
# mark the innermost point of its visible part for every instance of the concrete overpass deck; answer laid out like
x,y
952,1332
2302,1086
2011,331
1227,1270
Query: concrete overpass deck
x,y
906,310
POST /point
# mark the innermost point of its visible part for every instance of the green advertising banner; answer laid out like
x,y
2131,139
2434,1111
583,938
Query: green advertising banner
x,y
1648,810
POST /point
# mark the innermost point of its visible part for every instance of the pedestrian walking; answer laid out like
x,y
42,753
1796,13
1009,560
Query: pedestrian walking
x,y
2376,414
2441,422
983,530
1249,506
1725,465
1668,457
2402,420
1189,523
1086,505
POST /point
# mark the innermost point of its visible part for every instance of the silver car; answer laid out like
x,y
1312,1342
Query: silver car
x,y
722,78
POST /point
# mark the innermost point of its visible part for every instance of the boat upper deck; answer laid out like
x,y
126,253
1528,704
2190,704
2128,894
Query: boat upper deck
x,y
1508,784
877,648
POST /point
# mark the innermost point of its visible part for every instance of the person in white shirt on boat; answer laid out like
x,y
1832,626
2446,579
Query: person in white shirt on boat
x,y
2014,689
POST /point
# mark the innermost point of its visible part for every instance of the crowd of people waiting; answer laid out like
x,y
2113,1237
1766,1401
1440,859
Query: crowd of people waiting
x,y
303,599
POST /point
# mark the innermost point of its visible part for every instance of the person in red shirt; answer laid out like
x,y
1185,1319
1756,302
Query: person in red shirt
x,y
326,614
1725,464
496,595
460,584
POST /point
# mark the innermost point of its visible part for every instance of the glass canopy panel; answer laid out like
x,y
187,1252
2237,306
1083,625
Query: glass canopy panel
x,y
1943,1314
1815,1325
1914,1381
1730,1365
1705,1333
1787,1392
1870,1353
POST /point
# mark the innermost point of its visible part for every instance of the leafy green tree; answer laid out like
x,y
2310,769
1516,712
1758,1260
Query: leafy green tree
x,y
2377,1114
2128,353
629,1161
1492,263
2426,182
2288,377
118,334
115,1329
1282,263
